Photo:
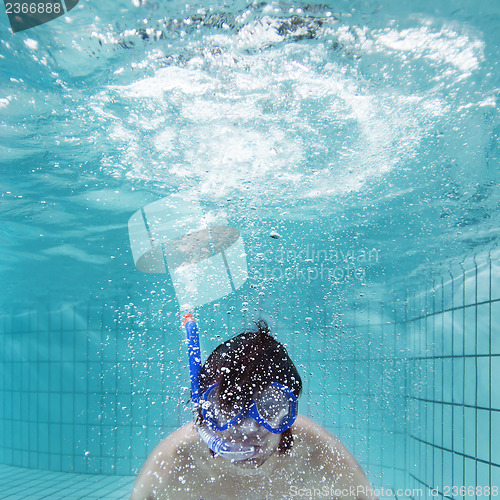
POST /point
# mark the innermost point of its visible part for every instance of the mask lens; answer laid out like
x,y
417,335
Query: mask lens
x,y
275,406
215,413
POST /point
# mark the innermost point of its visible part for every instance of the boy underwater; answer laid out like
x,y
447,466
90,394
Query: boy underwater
x,y
247,412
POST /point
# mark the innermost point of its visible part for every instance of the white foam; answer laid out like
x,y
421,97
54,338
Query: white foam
x,y
443,46
169,79
254,110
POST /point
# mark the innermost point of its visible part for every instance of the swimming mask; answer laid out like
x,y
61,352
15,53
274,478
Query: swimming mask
x,y
275,408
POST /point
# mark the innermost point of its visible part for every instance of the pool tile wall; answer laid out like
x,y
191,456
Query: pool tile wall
x,y
94,388
454,396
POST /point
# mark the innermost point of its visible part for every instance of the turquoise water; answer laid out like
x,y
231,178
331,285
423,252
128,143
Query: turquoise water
x,y
365,134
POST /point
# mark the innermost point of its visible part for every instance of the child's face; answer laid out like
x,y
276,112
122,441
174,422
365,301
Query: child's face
x,y
250,433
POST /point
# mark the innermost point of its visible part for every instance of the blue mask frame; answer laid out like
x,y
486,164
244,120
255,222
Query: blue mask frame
x,y
253,412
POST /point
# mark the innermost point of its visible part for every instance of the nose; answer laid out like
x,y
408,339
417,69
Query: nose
x,y
249,427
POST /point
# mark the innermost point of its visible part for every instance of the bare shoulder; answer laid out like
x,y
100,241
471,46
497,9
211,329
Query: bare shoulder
x,y
317,436
171,448
306,426
180,438
328,454
170,453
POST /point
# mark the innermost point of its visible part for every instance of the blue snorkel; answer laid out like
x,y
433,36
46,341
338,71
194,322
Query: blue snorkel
x,y
219,445
172,235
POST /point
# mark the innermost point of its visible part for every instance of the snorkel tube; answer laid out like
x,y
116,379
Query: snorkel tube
x,y
219,445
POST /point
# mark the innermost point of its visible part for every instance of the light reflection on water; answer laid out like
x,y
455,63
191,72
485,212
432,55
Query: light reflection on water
x,y
361,124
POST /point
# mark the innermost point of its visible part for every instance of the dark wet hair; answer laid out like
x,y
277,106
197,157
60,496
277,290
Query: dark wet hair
x,y
247,364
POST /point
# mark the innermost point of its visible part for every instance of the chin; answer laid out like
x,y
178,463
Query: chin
x,y
251,463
